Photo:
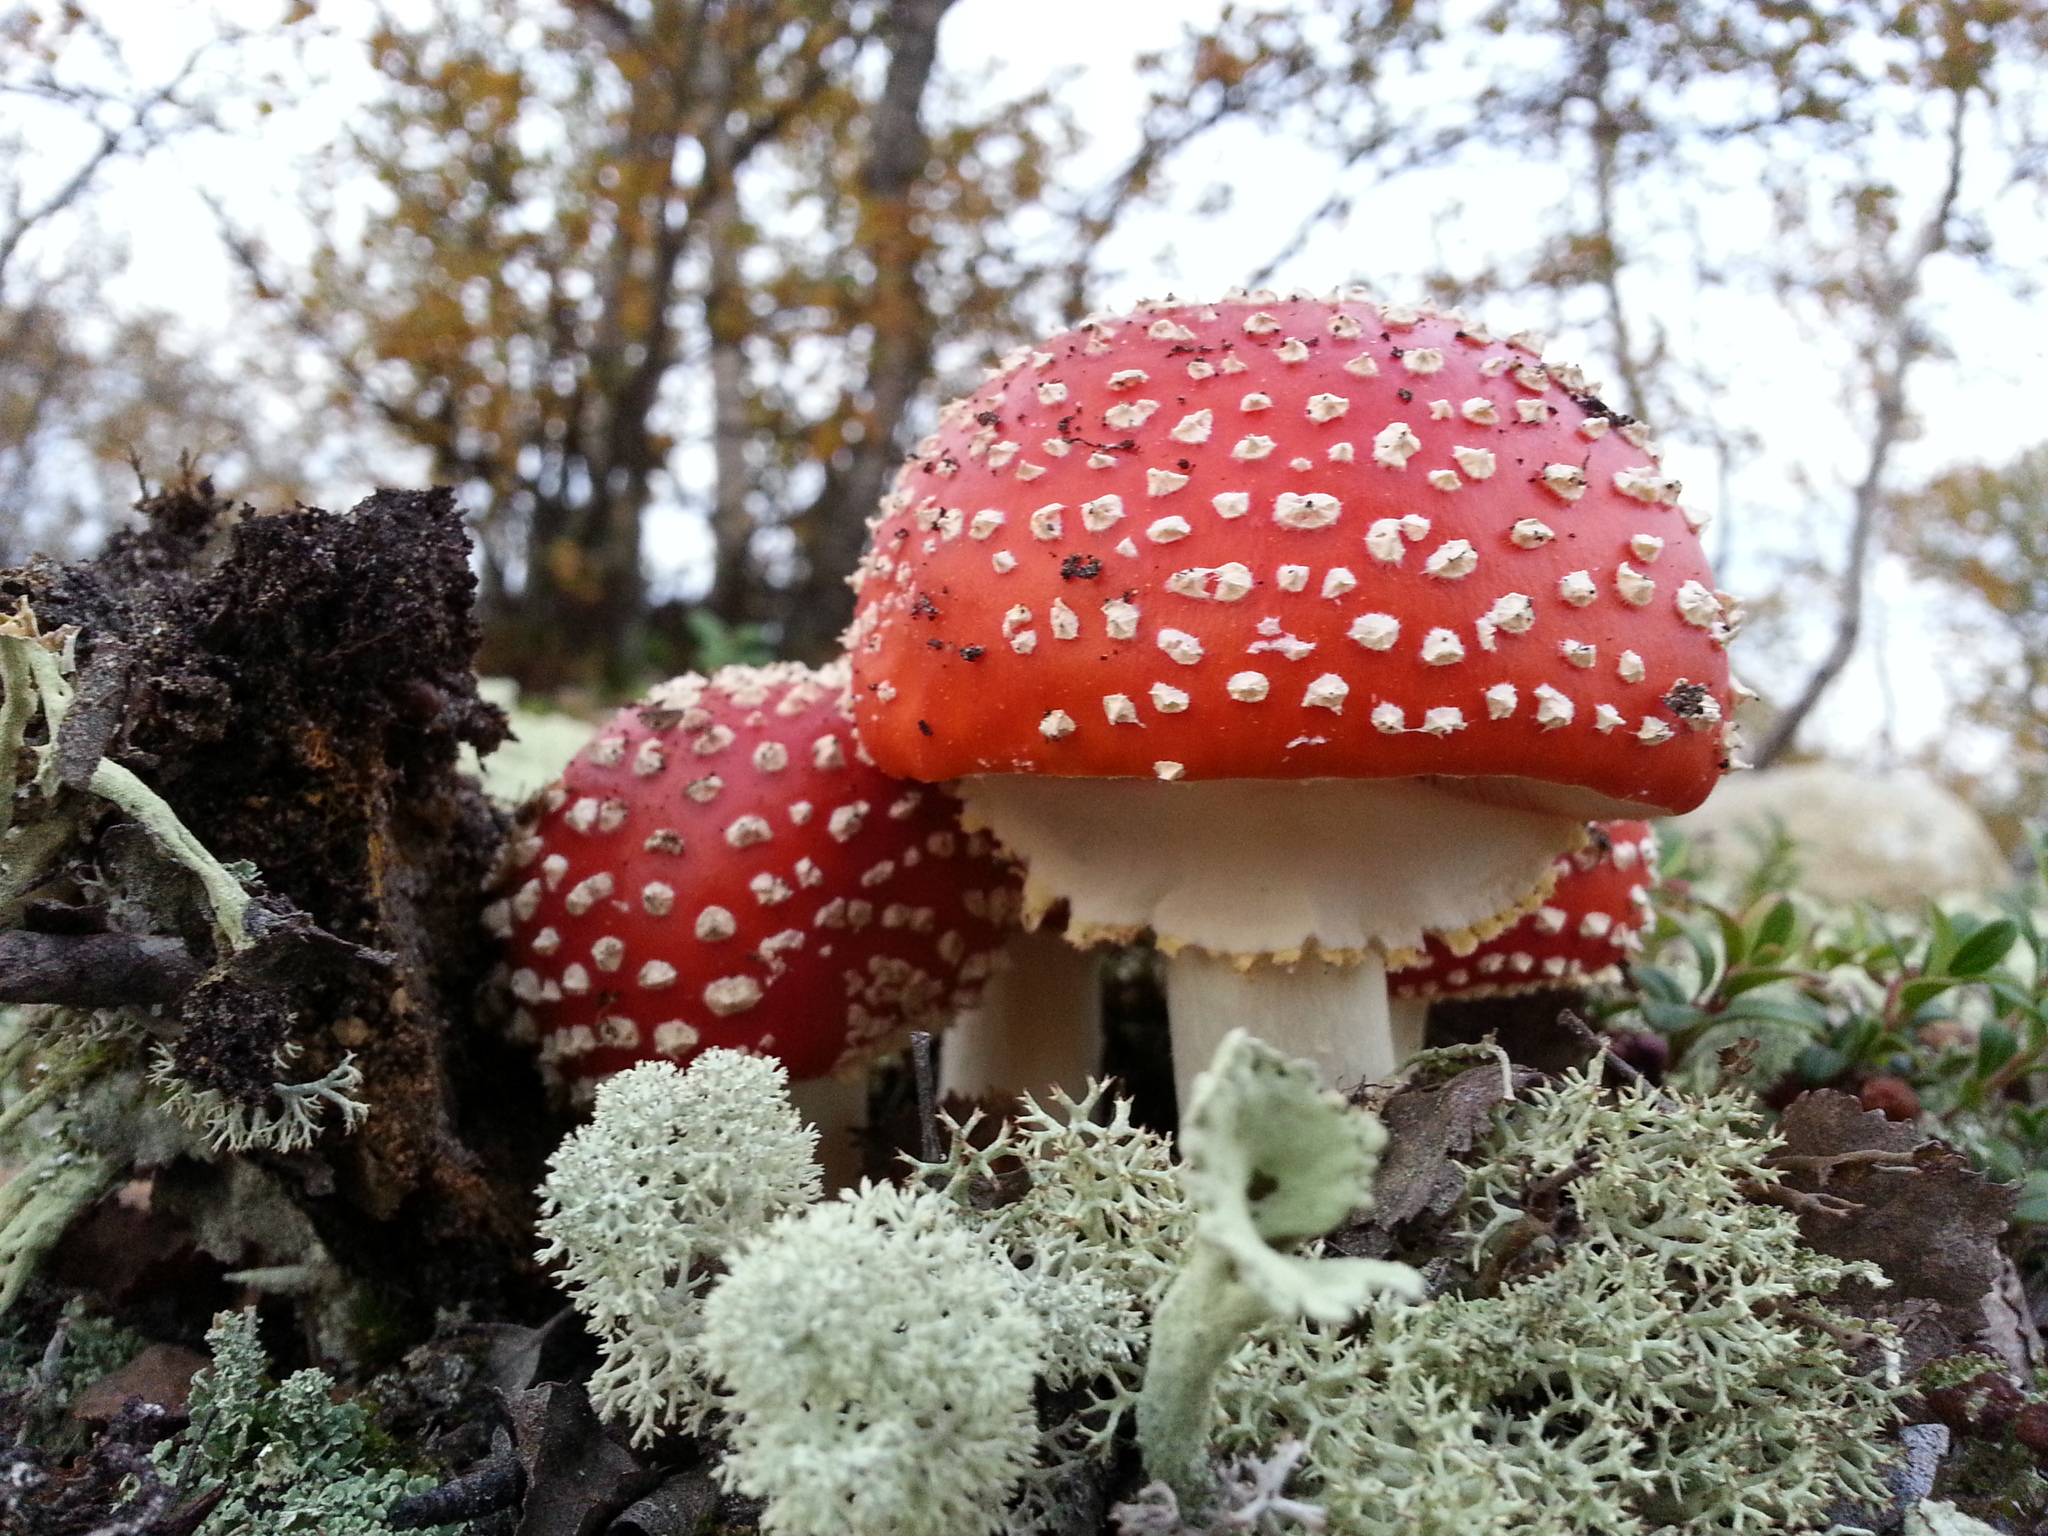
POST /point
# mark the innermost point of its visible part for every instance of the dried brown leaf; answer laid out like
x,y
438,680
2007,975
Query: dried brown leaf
x,y
1922,1215
577,1479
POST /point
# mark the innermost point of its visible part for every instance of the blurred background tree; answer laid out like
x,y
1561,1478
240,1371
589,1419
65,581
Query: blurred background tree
x,y
94,392
701,242
642,273
1984,533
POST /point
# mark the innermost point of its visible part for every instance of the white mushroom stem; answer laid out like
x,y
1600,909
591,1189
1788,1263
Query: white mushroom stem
x,y
1037,1028
1334,1015
1313,881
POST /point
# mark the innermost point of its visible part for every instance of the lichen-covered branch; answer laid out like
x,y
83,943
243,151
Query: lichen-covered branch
x,y
230,902
35,675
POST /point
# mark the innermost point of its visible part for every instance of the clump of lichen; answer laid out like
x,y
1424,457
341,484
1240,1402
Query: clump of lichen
x,y
1087,1208
284,1456
1619,1337
673,1171
880,1362
1629,1343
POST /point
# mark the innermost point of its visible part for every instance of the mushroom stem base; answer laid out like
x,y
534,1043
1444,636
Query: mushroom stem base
x,y
1333,1015
1038,1026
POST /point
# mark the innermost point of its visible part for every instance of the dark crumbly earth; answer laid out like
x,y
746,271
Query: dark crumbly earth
x,y
296,686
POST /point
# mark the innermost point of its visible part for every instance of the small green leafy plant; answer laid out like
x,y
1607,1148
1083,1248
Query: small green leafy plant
x,y
1947,1011
285,1457
1273,1158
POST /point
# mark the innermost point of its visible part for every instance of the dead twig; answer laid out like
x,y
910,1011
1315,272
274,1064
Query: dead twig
x,y
1798,1199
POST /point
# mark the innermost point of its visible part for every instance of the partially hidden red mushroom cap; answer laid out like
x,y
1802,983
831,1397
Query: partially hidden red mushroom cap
x,y
1581,935
1293,539
721,867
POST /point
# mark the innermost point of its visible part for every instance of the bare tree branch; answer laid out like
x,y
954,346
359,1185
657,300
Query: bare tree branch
x,y
1900,341
902,330
138,133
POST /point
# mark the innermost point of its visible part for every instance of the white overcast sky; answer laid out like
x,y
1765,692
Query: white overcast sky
x,y
1981,406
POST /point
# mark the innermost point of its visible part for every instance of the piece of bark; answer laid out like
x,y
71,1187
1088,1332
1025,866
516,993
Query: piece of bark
x,y
493,1484
577,1479
2009,1331
685,1505
1428,1129
96,711
99,970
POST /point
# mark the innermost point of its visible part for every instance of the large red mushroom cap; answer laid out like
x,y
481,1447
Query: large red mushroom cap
x,y
1581,935
721,866
1286,539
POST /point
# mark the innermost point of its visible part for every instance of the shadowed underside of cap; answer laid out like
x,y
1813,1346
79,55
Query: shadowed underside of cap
x,y
1291,540
1283,869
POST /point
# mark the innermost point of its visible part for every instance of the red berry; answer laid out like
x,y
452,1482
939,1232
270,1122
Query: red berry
x,y
2031,1427
1893,1096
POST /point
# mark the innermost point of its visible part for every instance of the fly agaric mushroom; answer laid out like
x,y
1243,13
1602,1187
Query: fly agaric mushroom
x,y
1591,921
721,867
1291,631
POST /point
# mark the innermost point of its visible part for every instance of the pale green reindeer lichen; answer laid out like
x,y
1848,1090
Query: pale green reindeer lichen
x,y
55,1174
1271,1158
880,1363
959,1356
1658,1365
231,1125
1088,1209
38,1203
673,1171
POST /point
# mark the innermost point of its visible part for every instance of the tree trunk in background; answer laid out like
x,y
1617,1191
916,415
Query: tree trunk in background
x,y
833,529
727,321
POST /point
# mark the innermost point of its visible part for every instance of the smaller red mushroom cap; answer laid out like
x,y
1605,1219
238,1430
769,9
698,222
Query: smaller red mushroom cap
x,y
721,866
1590,924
